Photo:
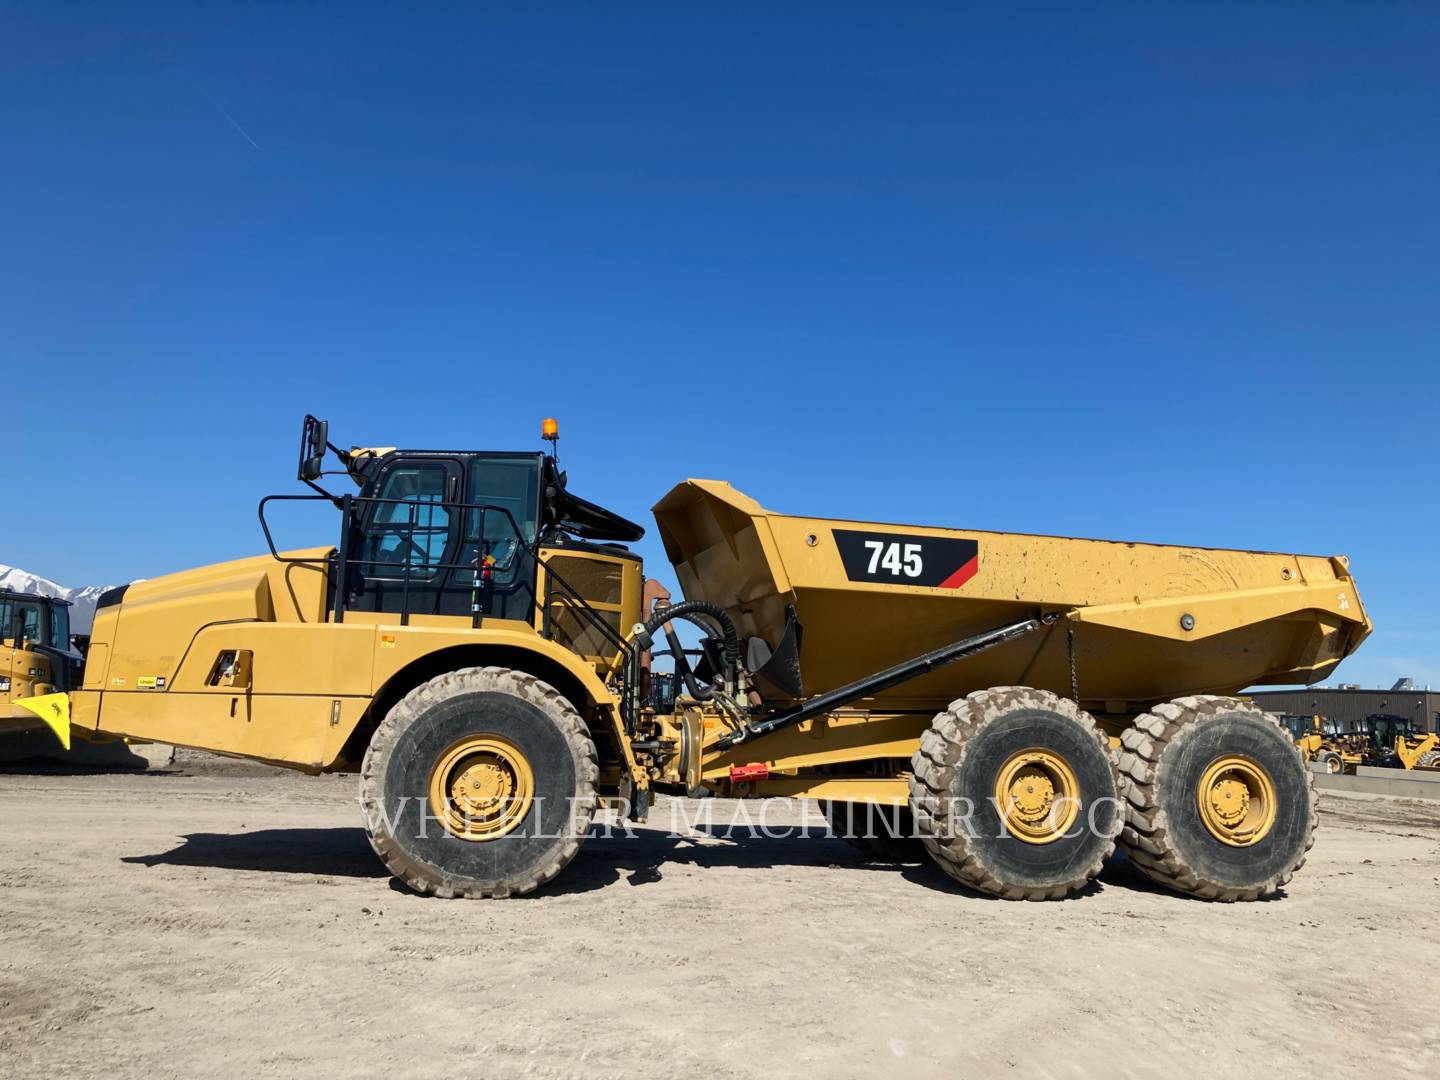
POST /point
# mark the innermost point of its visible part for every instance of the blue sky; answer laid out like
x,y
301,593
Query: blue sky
x,y
1151,272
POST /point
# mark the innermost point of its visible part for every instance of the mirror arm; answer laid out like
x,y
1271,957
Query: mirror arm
x,y
333,498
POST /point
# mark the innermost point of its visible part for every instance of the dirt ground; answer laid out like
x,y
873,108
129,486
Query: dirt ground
x,y
233,921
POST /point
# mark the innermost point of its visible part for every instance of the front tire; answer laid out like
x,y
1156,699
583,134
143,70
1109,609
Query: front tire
x,y
479,783
1015,794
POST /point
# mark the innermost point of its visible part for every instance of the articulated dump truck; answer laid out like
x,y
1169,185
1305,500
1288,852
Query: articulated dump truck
x,y
482,648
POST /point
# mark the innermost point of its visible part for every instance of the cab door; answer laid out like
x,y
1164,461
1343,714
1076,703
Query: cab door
x,y
404,545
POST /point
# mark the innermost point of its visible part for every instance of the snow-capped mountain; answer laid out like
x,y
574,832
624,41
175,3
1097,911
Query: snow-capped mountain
x,y
82,600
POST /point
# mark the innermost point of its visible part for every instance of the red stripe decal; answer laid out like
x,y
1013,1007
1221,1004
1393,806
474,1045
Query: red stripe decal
x,y
964,574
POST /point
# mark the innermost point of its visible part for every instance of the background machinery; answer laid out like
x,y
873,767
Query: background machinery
x,y
1380,741
1399,745
36,656
1321,739
477,646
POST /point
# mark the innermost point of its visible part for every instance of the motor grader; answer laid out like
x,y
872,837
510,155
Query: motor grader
x,y
1322,740
477,646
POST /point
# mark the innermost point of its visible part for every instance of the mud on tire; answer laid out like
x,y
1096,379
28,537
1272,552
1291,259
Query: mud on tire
x,y
955,772
1164,756
530,716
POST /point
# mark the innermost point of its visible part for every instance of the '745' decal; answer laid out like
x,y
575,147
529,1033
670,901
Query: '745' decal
x,y
937,562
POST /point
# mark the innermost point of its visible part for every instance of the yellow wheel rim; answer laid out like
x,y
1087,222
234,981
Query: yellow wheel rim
x,y
1037,795
1237,801
481,787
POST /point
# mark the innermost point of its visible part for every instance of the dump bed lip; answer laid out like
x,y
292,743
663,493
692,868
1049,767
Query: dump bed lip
x,y
765,510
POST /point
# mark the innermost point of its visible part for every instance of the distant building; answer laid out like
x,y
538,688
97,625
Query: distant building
x,y
1348,705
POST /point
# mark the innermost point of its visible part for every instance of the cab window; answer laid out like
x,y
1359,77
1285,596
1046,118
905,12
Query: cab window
x,y
511,485
30,619
60,628
408,527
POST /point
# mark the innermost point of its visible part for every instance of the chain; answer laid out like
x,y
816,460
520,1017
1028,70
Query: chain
x,y
1074,678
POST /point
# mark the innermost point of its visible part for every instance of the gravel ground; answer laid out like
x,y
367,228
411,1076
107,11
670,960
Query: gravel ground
x,y
230,920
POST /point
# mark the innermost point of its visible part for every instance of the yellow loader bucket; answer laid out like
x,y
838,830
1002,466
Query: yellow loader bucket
x,y
54,709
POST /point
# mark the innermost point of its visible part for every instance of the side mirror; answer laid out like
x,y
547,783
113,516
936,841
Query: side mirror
x,y
313,440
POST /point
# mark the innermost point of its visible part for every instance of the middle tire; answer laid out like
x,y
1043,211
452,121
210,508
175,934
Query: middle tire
x,y
1017,794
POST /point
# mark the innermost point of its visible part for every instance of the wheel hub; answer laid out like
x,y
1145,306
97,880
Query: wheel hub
x,y
1037,795
1237,801
481,787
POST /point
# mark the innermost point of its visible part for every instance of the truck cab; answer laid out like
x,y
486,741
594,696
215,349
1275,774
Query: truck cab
x,y
442,559
464,536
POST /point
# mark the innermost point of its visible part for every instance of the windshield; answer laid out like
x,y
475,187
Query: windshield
x,y
27,615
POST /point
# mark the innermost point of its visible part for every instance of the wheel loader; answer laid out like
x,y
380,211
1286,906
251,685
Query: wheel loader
x,y
478,646
37,659
1399,745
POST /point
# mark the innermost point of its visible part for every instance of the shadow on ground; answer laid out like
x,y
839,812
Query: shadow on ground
x,y
323,852
641,858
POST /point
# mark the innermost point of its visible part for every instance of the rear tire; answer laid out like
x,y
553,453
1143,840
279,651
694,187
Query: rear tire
x,y
1058,838
479,783
884,834
1177,751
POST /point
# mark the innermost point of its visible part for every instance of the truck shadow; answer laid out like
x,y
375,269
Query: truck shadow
x,y
639,858
608,858
341,852
646,855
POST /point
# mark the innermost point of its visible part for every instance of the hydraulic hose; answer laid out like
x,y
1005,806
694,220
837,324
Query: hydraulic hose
x,y
701,607
682,667
689,610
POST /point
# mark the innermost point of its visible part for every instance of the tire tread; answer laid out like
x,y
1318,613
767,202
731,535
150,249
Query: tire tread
x,y
1145,837
409,709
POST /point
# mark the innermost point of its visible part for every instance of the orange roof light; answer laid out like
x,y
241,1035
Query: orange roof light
x,y
550,428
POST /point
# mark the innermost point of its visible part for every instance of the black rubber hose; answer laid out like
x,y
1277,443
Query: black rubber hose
x,y
682,667
702,607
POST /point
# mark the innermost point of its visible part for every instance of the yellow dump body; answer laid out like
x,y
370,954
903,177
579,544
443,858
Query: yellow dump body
x,y
1146,623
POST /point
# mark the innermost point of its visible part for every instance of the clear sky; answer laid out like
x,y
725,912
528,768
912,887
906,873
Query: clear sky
x,y
1157,272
